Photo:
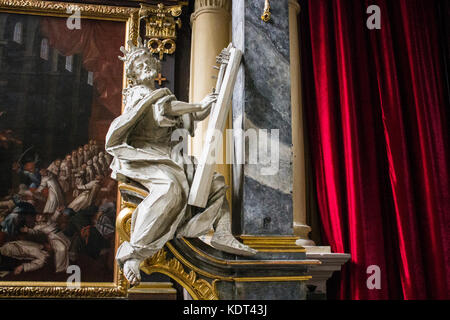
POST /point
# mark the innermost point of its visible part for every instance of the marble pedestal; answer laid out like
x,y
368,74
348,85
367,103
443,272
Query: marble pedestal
x,y
330,263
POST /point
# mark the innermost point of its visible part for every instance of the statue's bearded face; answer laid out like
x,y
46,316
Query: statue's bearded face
x,y
144,69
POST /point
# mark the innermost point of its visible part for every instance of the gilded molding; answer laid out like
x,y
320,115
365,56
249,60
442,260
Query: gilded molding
x,y
92,11
60,9
30,289
127,187
60,292
123,222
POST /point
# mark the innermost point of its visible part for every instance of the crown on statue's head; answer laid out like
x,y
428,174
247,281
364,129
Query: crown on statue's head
x,y
135,52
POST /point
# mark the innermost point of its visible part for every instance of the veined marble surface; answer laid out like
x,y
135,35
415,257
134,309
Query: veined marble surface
x,y
262,100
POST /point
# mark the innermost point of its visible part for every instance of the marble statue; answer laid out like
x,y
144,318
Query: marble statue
x,y
140,142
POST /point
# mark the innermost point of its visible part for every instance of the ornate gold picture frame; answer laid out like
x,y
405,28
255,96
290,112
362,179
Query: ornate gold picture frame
x,y
129,17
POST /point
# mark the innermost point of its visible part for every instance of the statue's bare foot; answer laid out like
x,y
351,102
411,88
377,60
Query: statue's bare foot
x,y
226,242
131,271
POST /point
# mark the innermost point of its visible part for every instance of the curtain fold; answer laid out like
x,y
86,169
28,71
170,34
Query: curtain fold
x,y
376,109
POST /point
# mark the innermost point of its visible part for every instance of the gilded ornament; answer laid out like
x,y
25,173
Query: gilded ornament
x,y
266,14
161,24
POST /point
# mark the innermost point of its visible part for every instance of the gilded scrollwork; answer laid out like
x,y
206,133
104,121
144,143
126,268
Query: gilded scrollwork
x,y
161,24
266,14
61,292
199,289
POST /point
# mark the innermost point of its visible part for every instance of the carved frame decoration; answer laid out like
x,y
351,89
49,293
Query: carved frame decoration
x,y
130,16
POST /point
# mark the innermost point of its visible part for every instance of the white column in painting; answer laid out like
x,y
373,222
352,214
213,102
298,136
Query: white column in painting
x,y
69,63
90,78
17,36
44,49
3,19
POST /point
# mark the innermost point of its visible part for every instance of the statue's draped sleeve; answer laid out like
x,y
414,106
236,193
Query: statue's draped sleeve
x,y
160,111
117,136
134,162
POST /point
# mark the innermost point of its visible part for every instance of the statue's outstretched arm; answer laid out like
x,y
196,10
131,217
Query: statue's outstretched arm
x,y
199,110
201,115
178,108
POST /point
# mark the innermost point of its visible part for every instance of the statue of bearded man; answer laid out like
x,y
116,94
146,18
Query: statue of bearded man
x,y
140,142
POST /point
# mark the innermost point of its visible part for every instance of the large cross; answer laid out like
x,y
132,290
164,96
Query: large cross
x,y
160,79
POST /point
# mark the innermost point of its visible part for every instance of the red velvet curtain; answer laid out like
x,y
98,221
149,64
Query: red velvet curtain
x,y
377,111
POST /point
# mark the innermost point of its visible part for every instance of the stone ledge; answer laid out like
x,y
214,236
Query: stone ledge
x,y
330,263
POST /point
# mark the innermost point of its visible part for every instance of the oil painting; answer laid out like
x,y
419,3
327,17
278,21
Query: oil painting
x,y
60,89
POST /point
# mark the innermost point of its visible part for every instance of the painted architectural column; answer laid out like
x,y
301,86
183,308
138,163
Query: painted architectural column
x,y
3,18
301,229
211,23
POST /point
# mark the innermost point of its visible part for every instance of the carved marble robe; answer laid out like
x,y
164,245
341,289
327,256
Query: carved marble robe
x,y
140,141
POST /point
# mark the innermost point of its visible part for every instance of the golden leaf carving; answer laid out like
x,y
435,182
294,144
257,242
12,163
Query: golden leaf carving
x,y
199,288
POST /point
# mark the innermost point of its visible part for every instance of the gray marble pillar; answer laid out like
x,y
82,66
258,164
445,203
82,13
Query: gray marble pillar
x,y
262,203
